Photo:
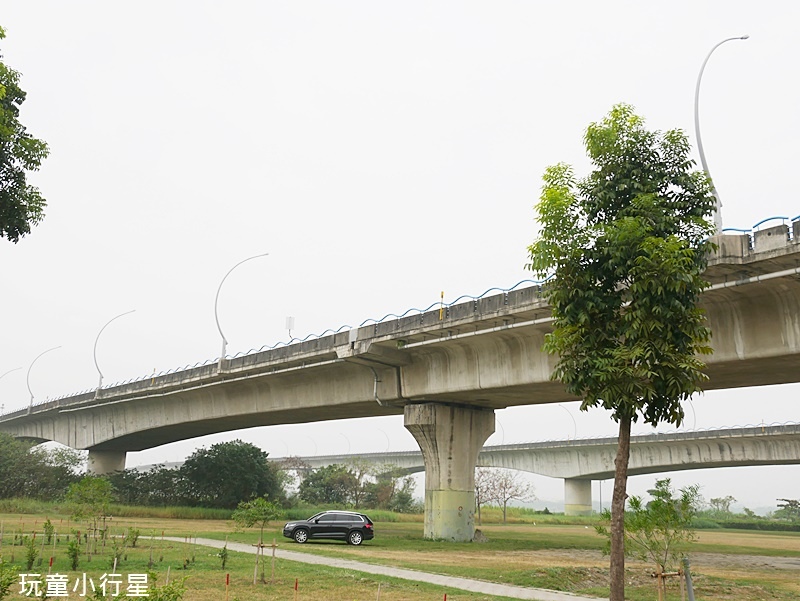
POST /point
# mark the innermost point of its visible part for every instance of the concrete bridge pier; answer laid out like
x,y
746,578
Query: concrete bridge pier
x,y
105,462
450,437
577,496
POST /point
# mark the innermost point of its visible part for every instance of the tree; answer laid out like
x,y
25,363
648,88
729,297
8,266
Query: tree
x,y
361,470
482,476
392,489
292,470
659,530
21,205
259,511
159,485
721,505
230,472
328,485
53,470
89,499
789,509
628,246
14,459
502,486
27,471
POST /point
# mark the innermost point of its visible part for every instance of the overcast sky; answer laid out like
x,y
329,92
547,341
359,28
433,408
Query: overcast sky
x,y
380,152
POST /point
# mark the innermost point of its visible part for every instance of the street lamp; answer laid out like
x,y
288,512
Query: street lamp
x,y
3,406
574,423
28,377
94,352
718,209
9,371
216,302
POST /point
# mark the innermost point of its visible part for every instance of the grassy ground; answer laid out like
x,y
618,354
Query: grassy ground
x,y
727,564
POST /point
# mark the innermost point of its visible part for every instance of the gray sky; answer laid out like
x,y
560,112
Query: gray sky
x,y
380,152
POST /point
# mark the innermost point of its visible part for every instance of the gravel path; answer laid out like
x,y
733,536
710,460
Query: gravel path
x,y
464,584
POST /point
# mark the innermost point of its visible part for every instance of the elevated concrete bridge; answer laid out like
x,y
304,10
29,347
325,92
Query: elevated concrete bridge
x,y
579,462
445,371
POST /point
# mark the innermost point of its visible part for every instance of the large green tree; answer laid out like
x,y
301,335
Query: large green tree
x,y
21,205
230,472
35,471
14,461
628,246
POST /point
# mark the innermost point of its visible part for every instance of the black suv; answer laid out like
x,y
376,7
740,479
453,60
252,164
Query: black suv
x,y
338,525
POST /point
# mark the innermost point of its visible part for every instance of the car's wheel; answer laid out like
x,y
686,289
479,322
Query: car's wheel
x,y
300,536
355,538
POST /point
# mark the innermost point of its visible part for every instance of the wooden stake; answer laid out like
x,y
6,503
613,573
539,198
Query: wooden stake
x,y
378,598
272,577
683,586
227,585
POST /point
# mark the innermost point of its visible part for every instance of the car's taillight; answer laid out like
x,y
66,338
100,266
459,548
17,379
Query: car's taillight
x,y
368,526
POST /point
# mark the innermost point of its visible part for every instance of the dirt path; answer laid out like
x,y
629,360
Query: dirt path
x,y
465,584
744,561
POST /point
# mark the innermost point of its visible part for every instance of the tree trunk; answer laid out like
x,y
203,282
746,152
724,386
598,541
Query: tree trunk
x,y
617,569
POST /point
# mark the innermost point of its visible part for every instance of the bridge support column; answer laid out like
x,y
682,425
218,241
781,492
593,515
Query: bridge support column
x,y
450,438
577,496
105,462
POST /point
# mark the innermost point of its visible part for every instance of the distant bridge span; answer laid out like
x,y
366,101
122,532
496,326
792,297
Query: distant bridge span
x,y
581,461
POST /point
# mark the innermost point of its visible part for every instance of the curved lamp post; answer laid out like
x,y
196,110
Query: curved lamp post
x,y
718,211
28,377
9,371
94,352
388,442
574,423
502,431
216,303
3,406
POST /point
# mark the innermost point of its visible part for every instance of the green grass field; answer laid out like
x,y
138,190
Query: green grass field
x,y
727,564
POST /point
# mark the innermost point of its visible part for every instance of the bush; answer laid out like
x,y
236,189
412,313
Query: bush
x,y
73,552
174,591
705,524
8,576
31,553
760,525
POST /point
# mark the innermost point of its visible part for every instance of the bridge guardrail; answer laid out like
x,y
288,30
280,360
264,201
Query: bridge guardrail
x,y
521,292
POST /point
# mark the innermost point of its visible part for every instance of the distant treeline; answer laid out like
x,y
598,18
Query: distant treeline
x,y
217,477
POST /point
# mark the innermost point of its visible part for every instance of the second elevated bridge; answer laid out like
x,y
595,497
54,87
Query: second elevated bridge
x,y
579,462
